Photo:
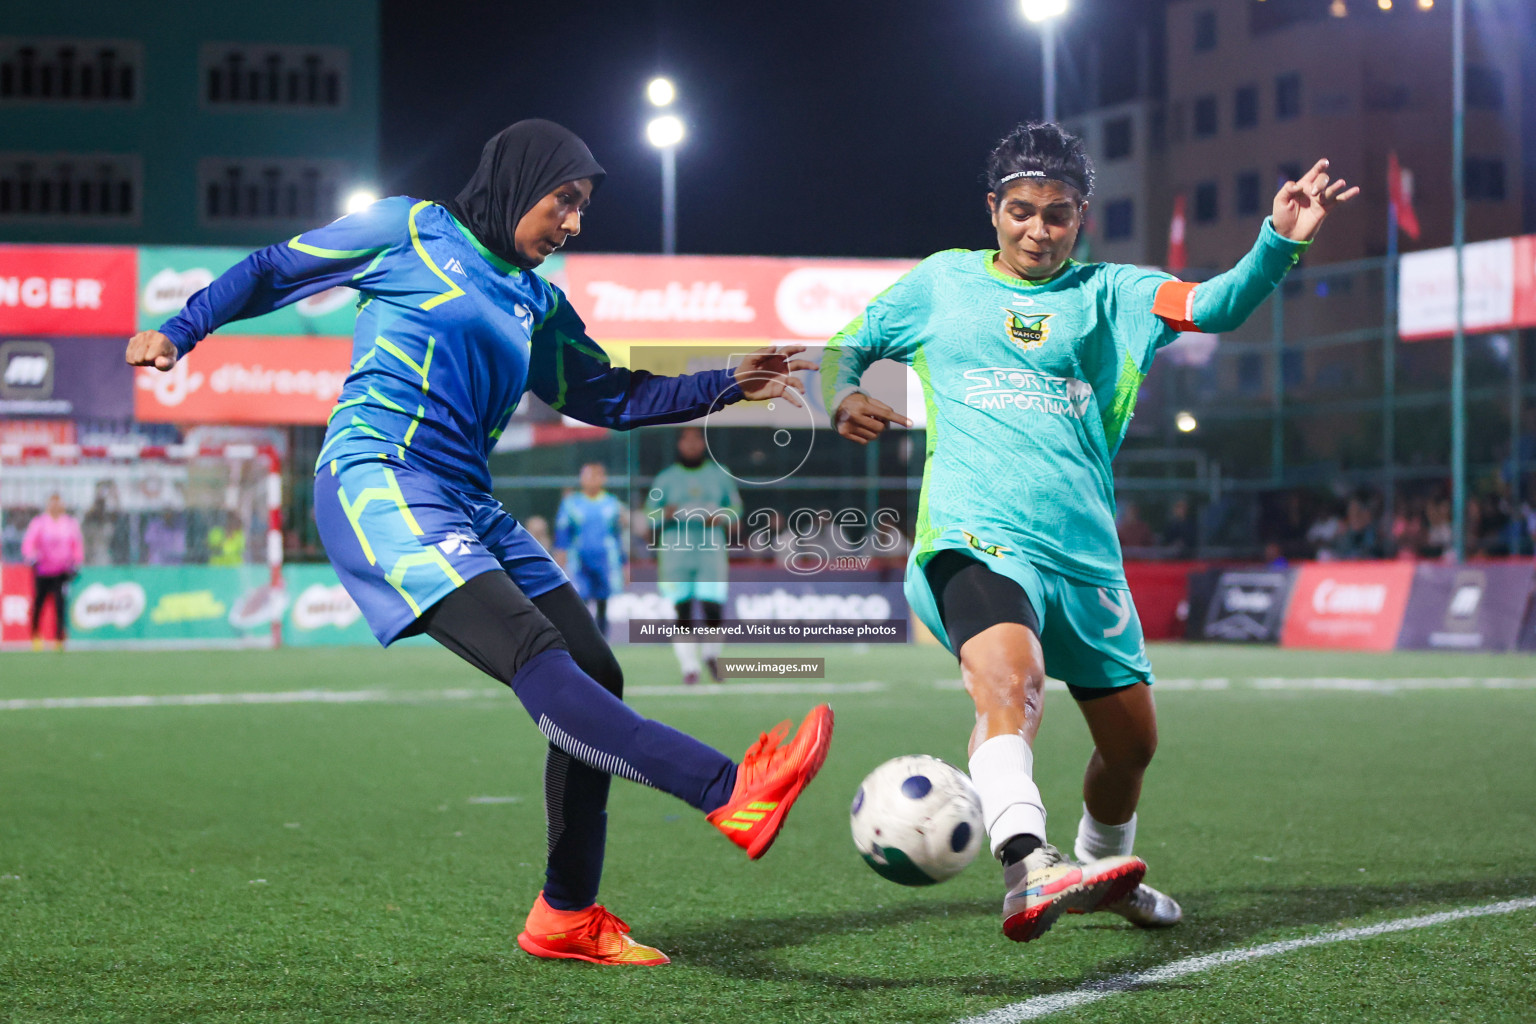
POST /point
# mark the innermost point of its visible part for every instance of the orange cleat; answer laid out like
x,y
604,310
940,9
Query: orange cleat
x,y
594,935
769,780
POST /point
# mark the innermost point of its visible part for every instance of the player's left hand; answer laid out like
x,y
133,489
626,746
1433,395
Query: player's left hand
x,y
1301,206
766,373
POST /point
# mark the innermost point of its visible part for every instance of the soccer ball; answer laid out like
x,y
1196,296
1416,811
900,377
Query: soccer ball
x,y
917,820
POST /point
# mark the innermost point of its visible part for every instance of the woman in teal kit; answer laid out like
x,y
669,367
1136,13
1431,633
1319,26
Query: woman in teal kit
x,y
1030,363
453,327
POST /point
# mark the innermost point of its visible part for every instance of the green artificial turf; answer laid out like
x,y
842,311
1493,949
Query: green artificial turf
x,y
341,862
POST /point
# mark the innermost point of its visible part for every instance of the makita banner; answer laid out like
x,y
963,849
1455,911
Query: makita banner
x,y
247,380
73,377
1247,605
1467,607
66,289
722,297
1355,605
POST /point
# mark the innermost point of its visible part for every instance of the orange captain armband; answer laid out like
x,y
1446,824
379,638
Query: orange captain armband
x,y
1175,303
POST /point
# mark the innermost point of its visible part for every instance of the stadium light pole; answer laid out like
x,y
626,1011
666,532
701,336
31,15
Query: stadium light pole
x,y
1044,13
1458,242
665,132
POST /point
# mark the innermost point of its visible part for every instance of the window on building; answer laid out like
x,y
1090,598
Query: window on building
x,y
1484,178
1288,172
1205,117
1250,373
1250,194
1485,88
277,190
1387,96
1207,202
1288,96
57,187
1118,135
70,71
1119,220
1205,31
1245,107
296,77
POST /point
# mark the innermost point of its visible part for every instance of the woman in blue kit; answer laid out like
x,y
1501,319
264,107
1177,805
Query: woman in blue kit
x,y
452,328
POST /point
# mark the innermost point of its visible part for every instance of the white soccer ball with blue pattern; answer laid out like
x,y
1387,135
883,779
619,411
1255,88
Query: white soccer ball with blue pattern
x,y
917,820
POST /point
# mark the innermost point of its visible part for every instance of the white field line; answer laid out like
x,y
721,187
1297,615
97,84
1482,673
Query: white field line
x,y
1041,1006
1318,683
379,696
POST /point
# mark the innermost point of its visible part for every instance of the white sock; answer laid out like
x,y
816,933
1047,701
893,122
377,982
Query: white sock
x,y
1096,839
1010,801
711,649
687,655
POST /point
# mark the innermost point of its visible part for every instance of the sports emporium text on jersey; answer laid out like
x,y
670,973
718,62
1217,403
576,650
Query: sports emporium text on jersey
x,y
1011,387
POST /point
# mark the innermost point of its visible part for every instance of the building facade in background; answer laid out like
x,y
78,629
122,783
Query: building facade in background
x,y
205,124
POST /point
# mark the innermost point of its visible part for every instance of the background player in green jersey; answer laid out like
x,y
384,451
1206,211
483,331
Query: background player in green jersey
x,y
696,500
1030,364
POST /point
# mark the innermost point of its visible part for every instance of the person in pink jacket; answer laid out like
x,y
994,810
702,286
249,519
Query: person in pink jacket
x,y
55,549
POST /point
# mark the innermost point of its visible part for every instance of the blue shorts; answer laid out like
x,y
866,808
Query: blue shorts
x,y
401,540
595,579
1090,635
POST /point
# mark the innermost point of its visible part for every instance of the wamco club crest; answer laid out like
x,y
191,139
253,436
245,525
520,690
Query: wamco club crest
x,y
1028,330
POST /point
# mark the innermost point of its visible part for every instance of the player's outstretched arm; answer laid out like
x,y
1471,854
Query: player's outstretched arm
x,y
1225,301
280,274
573,374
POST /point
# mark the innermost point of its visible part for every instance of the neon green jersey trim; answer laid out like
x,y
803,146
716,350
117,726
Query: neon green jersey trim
x,y
454,291
333,254
989,258
490,257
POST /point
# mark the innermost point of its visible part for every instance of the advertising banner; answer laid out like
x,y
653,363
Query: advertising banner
x,y
320,612
66,289
16,606
722,297
1500,289
173,605
1467,607
168,275
1247,605
1353,605
247,380
65,377
790,600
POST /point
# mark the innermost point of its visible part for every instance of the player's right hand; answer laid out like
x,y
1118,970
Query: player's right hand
x,y
151,348
862,419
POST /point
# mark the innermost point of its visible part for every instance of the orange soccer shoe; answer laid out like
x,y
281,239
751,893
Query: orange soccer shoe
x,y
595,935
769,780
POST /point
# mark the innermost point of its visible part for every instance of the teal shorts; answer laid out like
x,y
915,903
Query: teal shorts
x,y
1090,635
692,574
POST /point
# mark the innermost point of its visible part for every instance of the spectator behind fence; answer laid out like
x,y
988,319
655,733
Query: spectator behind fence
x,y
1134,531
226,544
1356,537
165,539
54,548
1180,533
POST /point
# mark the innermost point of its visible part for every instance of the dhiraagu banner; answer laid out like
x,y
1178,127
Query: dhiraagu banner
x,y
173,606
168,275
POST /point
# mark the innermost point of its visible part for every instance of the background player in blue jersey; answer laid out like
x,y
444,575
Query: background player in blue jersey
x,y
1030,363
453,327
589,541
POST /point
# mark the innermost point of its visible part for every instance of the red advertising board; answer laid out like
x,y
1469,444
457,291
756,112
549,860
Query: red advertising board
x,y
247,380
1354,605
67,289
16,607
722,297
1525,280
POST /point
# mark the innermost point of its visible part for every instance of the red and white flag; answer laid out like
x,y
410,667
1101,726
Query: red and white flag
x,y
1178,259
1400,196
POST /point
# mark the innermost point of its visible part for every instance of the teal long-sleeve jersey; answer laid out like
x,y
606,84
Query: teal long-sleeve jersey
x,y
1029,389
449,337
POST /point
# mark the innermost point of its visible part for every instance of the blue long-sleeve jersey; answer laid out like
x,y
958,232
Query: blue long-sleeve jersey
x,y
449,337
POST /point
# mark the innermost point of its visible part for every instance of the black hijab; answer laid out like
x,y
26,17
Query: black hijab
x,y
519,166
